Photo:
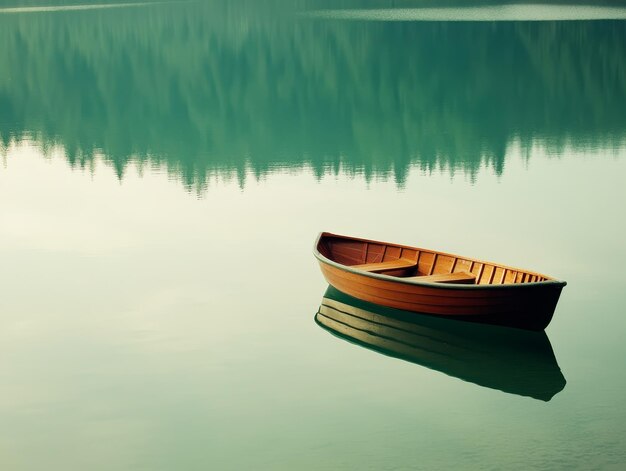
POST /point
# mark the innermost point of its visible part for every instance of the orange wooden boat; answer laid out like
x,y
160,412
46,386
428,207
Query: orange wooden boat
x,y
436,283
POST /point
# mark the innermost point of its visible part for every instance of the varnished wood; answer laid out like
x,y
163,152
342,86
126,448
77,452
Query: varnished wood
x,y
402,277
458,277
378,267
432,267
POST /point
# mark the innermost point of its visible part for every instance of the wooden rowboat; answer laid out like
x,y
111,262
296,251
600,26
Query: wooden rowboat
x,y
510,360
436,283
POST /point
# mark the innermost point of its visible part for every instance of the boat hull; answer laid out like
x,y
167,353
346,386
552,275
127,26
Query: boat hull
x,y
527,306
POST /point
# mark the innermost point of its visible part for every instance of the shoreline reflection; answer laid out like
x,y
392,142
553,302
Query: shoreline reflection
x,y
200,88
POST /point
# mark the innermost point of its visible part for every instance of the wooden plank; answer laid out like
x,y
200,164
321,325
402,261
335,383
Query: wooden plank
x,y
425,262
409,254
432,267
480,272
493,273
444,264
485,277
384,266
510,277
375,253
392,253
458,277
346,253
463,265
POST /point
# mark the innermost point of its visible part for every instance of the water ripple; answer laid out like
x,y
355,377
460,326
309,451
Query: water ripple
x,y
98,6
485,13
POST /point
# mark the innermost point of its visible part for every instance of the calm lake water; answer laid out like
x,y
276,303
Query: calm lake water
x,y
165,169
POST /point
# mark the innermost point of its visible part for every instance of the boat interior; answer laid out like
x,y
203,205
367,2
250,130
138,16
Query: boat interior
x,y
420,264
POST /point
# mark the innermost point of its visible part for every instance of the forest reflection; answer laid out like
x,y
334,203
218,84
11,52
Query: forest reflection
x,y
226,88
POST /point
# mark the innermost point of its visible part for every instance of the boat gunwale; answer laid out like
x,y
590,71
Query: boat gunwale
x,y
416,282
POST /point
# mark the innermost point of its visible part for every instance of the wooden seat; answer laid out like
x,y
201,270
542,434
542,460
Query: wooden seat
x,y
384,266
461,277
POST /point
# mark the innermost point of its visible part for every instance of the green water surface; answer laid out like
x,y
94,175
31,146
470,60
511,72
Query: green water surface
x,y
165,168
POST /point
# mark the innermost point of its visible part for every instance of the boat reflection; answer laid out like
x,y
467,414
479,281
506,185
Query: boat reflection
x,y
510,360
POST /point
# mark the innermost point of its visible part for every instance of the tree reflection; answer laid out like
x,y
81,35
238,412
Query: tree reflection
x,y
223,88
